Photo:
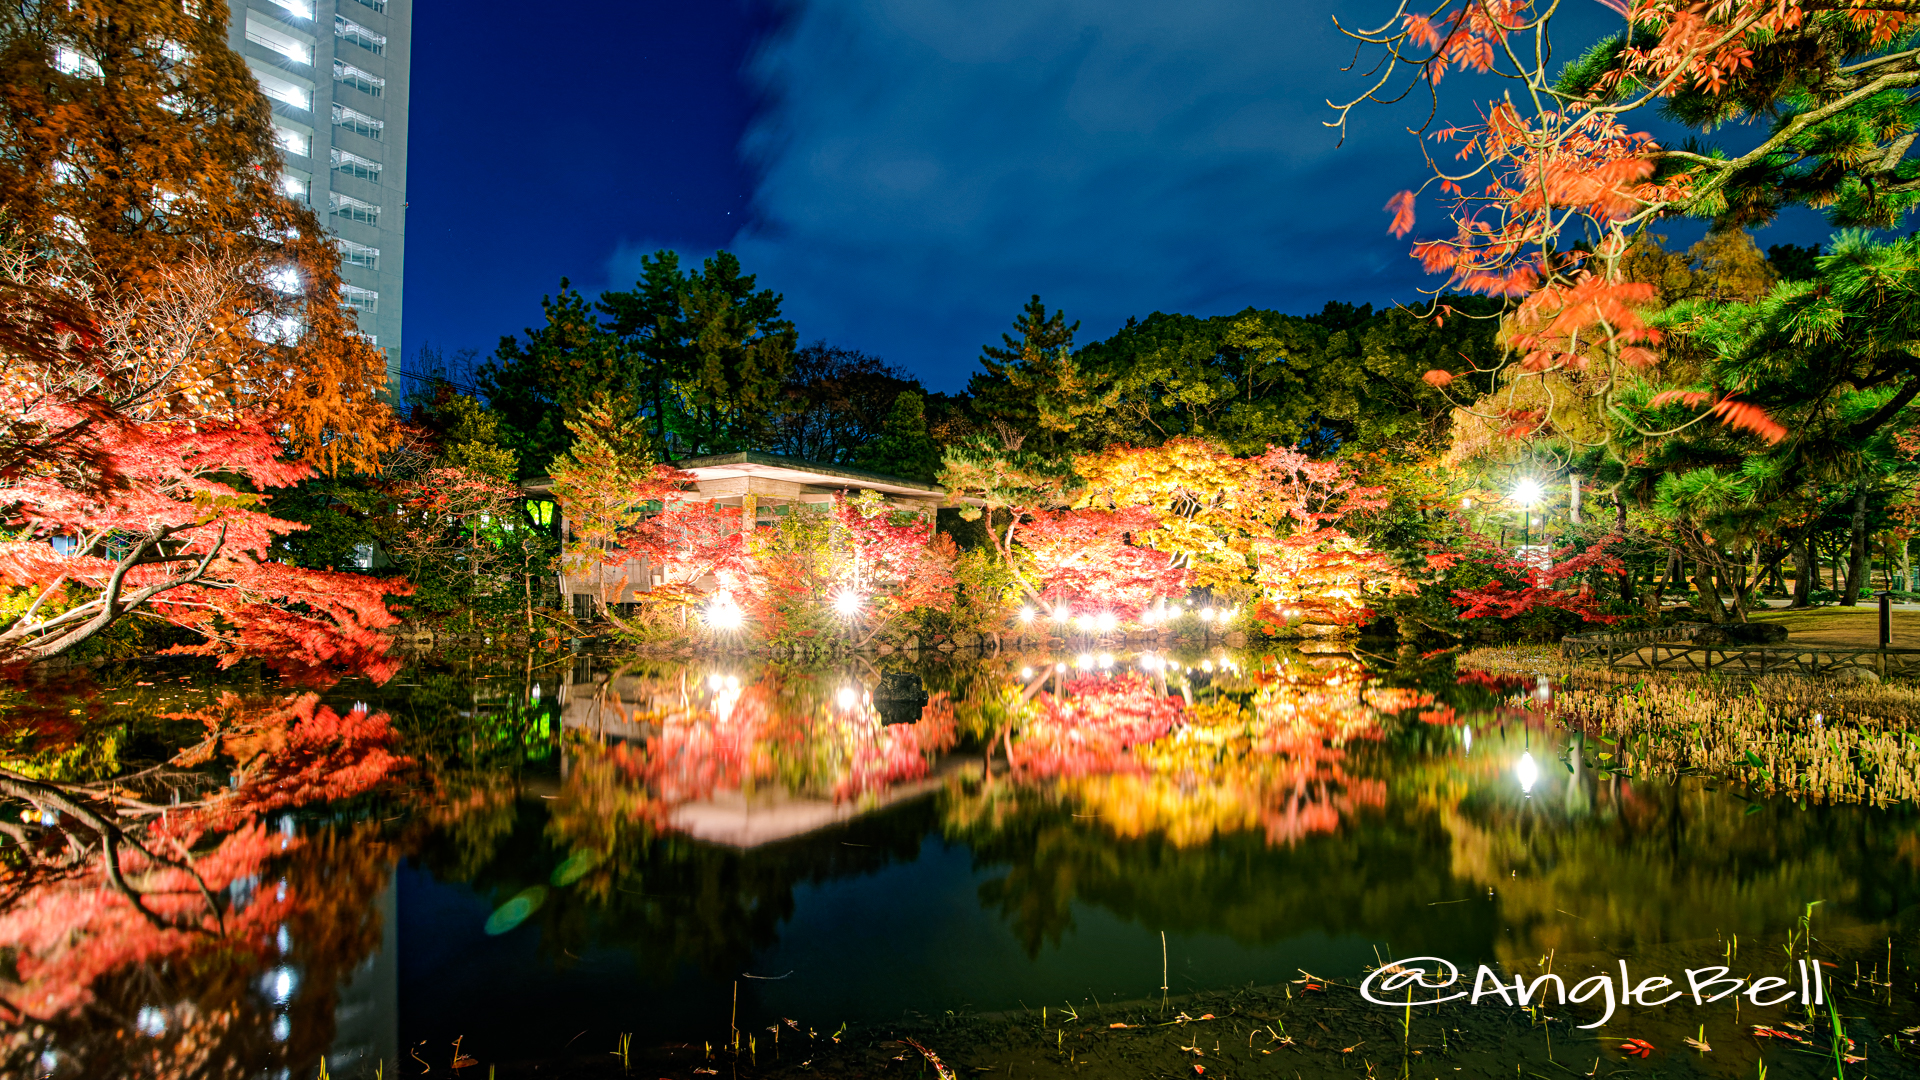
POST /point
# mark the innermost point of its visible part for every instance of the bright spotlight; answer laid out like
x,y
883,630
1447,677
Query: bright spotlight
x,y
1062,613
1026,673
847,602
715,683
1108,620
1026,614
1106,660
1084,622
1528,772
723,614
1206,614
1527,492
1083,661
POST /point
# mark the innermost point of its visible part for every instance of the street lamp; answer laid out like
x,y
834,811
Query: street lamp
x,y
1526,492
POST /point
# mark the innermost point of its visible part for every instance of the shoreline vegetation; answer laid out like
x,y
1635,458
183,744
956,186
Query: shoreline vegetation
x,y
1790,735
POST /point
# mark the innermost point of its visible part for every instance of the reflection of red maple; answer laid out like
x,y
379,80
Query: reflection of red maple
x,y
1092,724
194,874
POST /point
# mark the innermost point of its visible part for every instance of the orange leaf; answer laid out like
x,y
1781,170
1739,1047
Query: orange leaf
x,y
1745,416
1437,377
1401,206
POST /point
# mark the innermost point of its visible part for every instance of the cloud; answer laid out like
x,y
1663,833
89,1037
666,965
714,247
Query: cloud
x,y
926,165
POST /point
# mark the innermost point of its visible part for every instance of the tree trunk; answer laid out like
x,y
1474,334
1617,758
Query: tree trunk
x,y
1906,566
1626,567
1708,591
1573,497
1662,584
1802,573
1857,565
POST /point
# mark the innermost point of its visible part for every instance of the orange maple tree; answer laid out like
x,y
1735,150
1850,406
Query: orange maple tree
x,y
1548,187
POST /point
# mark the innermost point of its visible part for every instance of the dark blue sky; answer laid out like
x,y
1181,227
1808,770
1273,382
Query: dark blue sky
x,y
907,172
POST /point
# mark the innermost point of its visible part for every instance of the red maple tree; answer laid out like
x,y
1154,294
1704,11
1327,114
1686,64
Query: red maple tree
x,y
182,536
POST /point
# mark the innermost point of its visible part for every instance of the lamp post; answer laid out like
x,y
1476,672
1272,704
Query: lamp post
x,y
1526,492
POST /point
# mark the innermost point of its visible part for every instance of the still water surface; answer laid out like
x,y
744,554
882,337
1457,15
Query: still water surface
x,y
588,846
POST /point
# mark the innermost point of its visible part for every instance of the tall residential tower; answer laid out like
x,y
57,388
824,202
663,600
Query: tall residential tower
x,y
336,71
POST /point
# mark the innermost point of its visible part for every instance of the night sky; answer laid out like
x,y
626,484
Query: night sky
x,y
908,172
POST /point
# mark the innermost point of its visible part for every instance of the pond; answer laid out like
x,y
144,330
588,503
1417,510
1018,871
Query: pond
x,y
1126,864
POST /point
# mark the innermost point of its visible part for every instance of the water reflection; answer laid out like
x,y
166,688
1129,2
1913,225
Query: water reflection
x,y
620,840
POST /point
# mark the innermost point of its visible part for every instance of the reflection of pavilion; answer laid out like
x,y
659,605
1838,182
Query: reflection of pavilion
x,y
625,708
765,487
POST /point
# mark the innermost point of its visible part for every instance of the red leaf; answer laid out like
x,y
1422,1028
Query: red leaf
x,y
1437,377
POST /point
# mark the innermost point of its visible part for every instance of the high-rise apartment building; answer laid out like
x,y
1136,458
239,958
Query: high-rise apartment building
x,y
336,72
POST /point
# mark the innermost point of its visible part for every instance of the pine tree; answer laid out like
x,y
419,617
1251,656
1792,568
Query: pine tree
x,y
1028,387
904,448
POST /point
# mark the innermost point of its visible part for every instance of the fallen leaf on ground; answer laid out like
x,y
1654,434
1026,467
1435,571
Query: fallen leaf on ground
x,y
1638,1047
1699,1044
1112,1027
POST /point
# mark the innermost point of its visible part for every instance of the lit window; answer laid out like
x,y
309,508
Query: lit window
x,y
298,9
346,206
357,122
295,186
363,556
75,62
377,5
359,35
284,90
264,33
355,165
293,142
359,299
358,254
364,81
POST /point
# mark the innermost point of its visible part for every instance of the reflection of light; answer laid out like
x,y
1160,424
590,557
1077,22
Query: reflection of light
x,y
849,697
1062,613
282,1028
1026,614
1150,662
280,980
1541,690
1059,667
283,940
1206,614
733,682
1206,665
1026,673
715,682
1466,504
536,691
1466,736
1083,661
1108,621
150,1022
1106,660
1528,772
1527,492
847,602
